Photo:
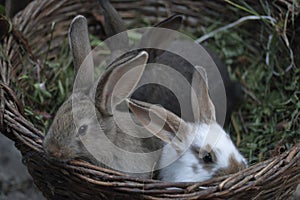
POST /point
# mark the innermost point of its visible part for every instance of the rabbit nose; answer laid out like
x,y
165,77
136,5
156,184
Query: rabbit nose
x,y
57,154
54,151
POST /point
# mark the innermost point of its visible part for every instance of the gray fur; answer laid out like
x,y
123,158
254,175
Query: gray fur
x,y
81,52
64,141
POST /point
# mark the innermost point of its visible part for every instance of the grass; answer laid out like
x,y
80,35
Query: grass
x,y
270,115
44,90
257,54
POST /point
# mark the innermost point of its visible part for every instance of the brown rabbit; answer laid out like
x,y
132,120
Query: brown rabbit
x,y
82,128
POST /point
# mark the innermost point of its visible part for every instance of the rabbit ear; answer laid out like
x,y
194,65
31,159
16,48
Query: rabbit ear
x,y
81,51
114,25
152,37
160,122
203,108
118,82
174,22
113,21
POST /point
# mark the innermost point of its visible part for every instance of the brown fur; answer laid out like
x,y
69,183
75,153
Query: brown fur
x,y
234,167
200,153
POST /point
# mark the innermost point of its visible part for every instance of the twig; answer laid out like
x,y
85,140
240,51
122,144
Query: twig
x,y
233,24
240,7
23,41
286,40
236,128
268,49
243,122
12,94
252,96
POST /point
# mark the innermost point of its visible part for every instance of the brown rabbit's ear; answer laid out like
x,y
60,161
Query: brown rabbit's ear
x,y
114,25
160,122
118,82
81,51
203,108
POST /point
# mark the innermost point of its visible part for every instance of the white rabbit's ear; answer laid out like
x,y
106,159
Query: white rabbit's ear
x,y
160,122
203,108
81,51
119,81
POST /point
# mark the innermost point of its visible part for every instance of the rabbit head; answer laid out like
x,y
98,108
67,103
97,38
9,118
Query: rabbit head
x,y
62,139
90,108
194,151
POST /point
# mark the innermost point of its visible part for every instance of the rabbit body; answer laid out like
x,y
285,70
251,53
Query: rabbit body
x,y
87,125
153,93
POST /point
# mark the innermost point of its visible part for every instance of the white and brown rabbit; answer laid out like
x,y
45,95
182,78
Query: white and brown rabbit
x,y
84,125
194,151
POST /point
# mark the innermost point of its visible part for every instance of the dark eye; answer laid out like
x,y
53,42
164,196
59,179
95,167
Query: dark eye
x,y
82,129
207,158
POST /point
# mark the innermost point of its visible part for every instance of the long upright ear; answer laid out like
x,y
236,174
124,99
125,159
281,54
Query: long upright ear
x,y
118,82
155,38
113,21
114,25
160,122
81,51
203,108
174,22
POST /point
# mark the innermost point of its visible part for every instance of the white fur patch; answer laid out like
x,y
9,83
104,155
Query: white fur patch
x,y
188,167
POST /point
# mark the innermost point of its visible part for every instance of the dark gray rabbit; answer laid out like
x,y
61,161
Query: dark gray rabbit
x,y
153,93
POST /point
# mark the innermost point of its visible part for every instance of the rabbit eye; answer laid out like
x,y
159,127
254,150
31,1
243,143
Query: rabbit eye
x,y
82,130
207,158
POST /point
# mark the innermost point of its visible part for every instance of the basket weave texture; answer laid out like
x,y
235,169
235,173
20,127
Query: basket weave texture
x,y
276,177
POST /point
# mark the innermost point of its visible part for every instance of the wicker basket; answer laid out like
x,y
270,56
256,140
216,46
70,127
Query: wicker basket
x,y
275,178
